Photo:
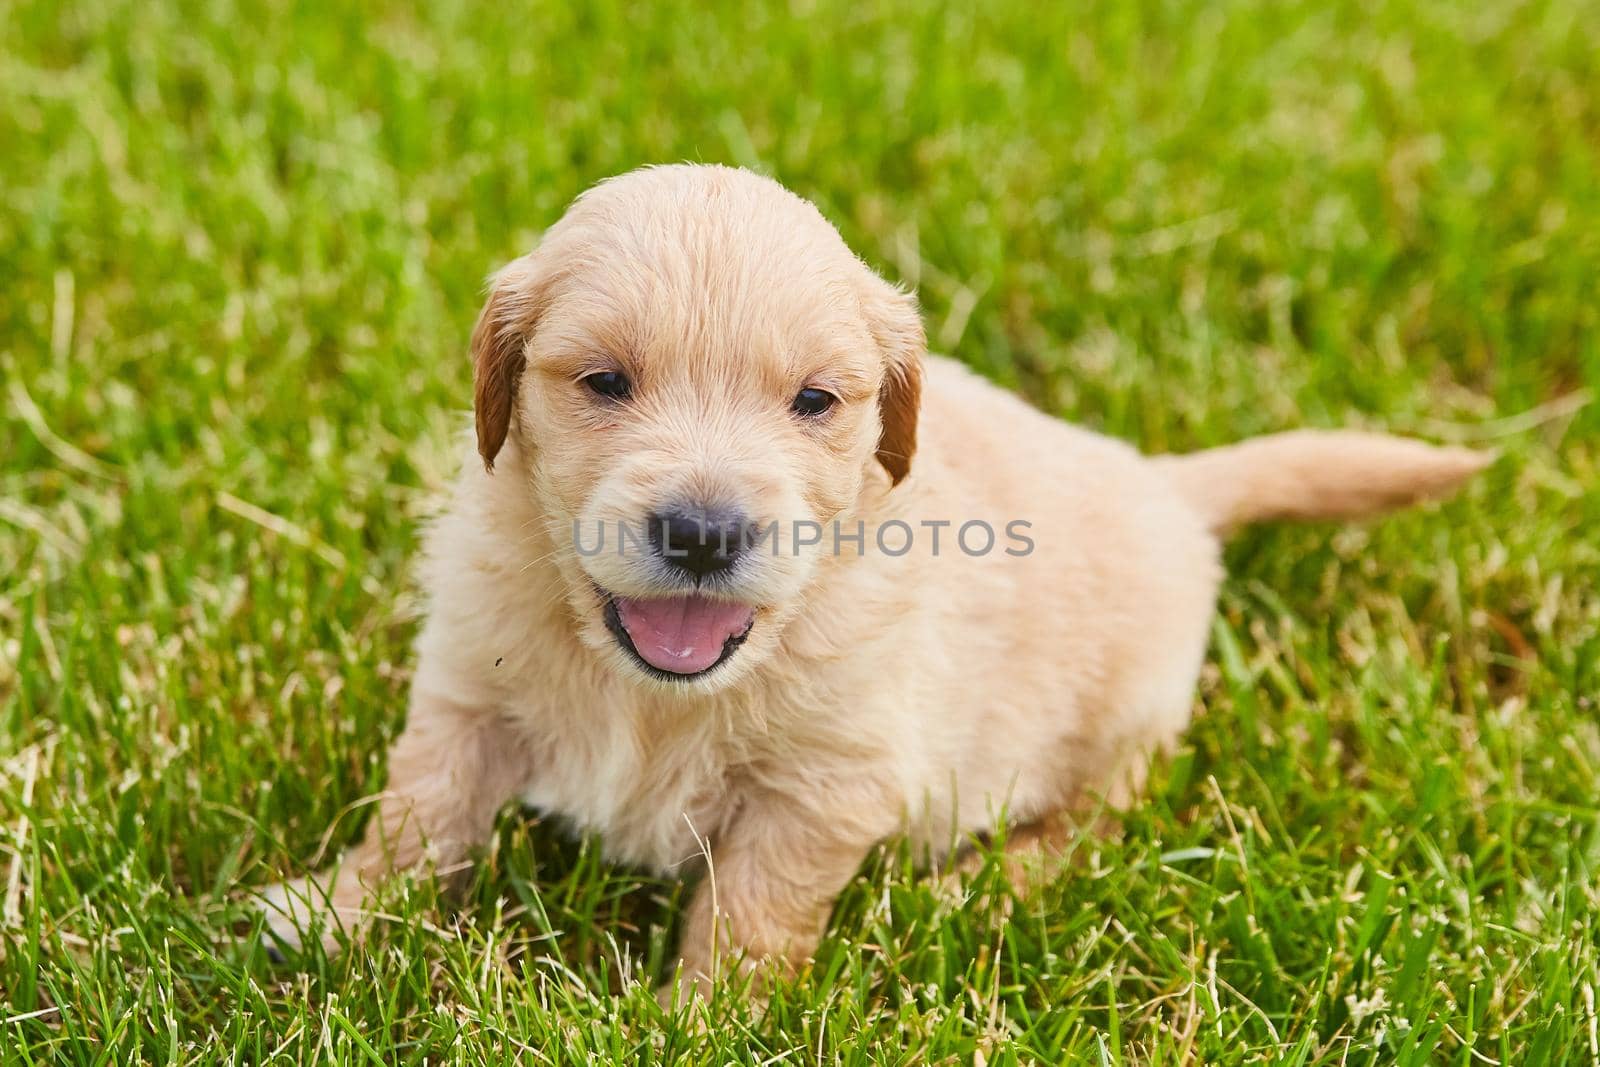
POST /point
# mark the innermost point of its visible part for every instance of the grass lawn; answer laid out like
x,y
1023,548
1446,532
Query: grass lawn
x,y
241,248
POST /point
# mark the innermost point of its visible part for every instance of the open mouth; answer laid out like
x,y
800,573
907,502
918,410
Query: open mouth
x,y
678,637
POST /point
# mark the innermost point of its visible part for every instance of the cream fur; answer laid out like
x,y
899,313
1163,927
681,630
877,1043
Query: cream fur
x,y
875,695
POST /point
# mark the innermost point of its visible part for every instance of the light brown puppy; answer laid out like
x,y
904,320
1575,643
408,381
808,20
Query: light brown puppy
x,y
848,655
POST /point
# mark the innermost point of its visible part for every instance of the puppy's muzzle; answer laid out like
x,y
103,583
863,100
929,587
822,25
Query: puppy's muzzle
x,y
700,541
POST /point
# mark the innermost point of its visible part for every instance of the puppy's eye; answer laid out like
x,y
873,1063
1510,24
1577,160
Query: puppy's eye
x,y
611,384
812,402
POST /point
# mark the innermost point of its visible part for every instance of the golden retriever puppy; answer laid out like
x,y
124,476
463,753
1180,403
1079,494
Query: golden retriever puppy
x,y
739,578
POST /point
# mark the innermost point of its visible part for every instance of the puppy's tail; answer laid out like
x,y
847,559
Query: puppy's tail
x,y
1316,474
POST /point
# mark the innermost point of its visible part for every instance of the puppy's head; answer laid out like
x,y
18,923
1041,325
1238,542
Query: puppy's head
x,y
699,376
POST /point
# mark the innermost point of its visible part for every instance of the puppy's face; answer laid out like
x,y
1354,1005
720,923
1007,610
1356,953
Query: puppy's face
x,y
701,379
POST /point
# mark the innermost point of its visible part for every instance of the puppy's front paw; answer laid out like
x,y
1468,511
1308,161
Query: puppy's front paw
x,y
682,992
743,980
297,911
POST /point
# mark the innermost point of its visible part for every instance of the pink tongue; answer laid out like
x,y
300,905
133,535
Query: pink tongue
x,y
681,634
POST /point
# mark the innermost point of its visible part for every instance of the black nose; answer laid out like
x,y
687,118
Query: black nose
x,y
701,541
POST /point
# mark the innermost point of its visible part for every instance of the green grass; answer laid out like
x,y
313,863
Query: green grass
x,y
241,248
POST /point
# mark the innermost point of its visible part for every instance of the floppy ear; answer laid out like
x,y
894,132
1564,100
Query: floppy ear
x,y
516,297
896,325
